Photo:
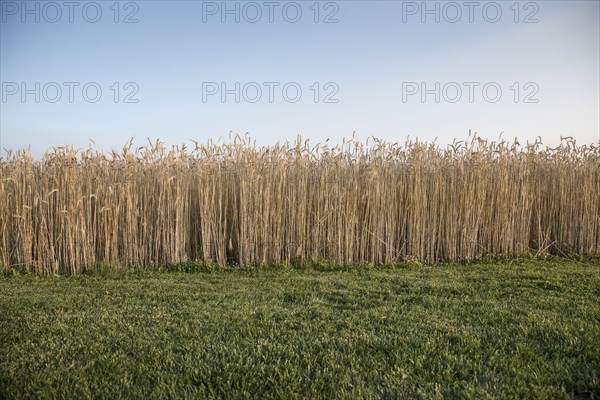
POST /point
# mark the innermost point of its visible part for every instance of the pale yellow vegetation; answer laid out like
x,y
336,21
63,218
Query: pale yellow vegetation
x,y
237,203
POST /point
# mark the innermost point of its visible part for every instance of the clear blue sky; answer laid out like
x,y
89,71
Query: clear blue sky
x,y
372,54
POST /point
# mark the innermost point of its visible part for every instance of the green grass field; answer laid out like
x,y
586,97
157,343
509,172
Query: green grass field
x,y
524,329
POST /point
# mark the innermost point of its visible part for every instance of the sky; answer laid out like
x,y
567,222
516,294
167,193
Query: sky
x,y
107,71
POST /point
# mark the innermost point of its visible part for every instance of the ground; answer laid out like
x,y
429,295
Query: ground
x,y
502,329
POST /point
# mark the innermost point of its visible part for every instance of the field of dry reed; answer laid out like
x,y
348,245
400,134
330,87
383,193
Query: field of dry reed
x,y
237,203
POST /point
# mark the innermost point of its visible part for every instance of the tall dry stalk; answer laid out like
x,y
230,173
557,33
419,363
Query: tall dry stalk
x,y
240,204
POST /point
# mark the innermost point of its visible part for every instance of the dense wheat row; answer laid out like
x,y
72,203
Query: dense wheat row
x,y
240,204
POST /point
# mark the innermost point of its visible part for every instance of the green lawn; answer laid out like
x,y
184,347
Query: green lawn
x,y
526,329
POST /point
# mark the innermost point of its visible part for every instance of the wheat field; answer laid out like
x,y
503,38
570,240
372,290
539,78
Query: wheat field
x,y
236,203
